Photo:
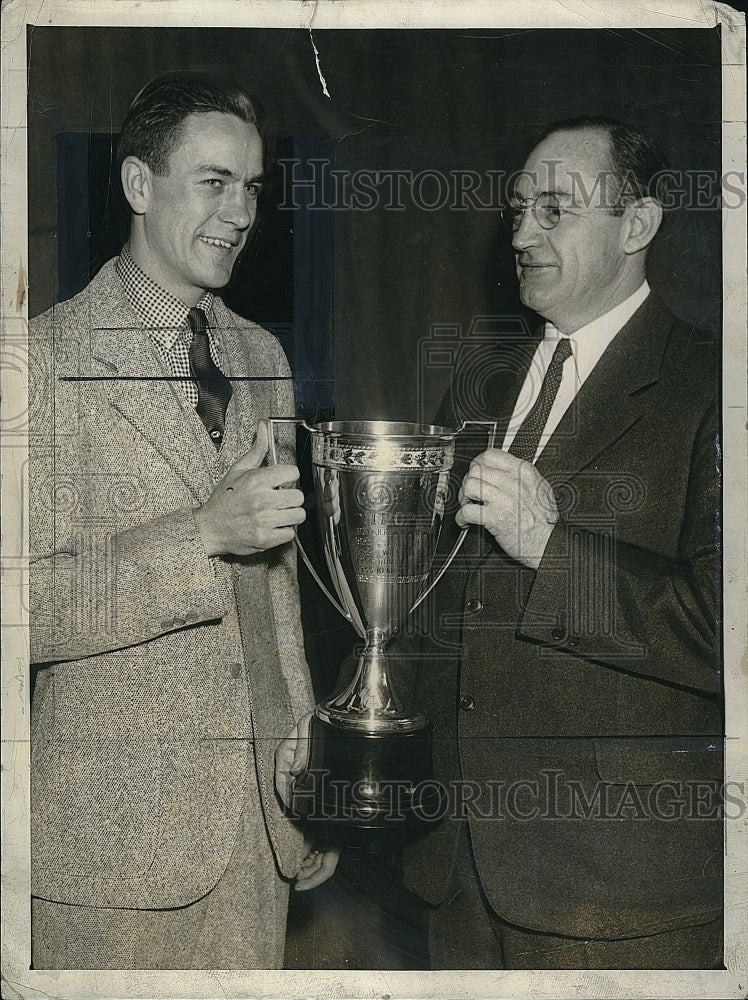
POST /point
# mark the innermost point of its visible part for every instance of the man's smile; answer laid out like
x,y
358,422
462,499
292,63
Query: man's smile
x,y
537,265
215,241
536,270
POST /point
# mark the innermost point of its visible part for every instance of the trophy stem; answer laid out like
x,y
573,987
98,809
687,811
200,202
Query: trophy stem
x,y
370,703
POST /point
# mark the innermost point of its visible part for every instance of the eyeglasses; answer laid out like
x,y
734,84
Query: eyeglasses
x,y
548,212
545,208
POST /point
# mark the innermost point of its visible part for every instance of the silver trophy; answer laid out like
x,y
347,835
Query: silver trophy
x,y
380,495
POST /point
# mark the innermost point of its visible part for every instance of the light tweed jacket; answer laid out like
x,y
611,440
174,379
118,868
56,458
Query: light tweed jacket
x,y
163,672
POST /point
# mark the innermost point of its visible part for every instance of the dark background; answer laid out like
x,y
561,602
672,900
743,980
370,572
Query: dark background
x,y
355,295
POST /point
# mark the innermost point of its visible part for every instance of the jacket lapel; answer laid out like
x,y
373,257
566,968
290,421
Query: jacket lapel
x,y
499,385
612,399
124,358
504,382
609,403
241,416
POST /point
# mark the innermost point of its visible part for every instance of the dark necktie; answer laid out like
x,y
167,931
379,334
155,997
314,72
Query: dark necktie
x,y
213,388
526,442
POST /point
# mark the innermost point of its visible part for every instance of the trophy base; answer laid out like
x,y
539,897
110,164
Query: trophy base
x,y
368,780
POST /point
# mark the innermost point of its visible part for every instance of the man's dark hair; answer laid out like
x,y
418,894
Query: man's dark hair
x,y
155,119
636,163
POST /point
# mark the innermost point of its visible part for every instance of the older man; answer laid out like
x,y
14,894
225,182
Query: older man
x,y
164,608
579,720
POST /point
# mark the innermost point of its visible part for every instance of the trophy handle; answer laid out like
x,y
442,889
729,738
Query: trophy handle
x,y
302,552
463,533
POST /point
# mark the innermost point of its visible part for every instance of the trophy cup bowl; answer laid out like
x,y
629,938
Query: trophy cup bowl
x,y
380,494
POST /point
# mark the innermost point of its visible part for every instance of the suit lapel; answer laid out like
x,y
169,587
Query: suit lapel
x,y
124,358
611,400
509,370
499,387
241,416
609,403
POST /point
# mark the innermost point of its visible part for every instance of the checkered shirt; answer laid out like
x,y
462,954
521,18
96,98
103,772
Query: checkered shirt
x,y
165,318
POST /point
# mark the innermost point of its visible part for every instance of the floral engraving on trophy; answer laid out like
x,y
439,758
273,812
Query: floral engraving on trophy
x,y
384,455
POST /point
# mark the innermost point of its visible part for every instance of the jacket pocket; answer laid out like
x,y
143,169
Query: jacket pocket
x,y
649,760
95,805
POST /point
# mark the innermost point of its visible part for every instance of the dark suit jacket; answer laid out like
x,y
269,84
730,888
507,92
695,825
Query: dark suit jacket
x,y
581,704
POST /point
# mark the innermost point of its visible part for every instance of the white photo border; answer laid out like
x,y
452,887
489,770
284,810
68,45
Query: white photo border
x,y
18,980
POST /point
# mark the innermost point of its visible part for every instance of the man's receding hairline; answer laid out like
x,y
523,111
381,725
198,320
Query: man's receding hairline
x,y
606,131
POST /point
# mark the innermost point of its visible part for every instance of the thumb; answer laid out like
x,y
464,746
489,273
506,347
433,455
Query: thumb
x,y
301,750
253,459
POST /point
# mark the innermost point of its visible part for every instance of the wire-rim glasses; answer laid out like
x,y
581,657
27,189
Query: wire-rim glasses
x,y
545,208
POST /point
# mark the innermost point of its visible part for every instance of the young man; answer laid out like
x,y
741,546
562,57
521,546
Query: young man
x,y
164,608
580,720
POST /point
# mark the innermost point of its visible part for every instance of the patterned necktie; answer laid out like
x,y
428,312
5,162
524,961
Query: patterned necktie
x,y
213,388
526,442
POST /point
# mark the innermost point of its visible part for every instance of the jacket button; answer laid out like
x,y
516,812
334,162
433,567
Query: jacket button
x,y
168,624
558,634
236,669
473,605
192,616
574,640
466,703
179,622
216,435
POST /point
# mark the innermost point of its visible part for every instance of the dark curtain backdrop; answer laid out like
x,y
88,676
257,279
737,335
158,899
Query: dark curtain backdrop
x,y
357,295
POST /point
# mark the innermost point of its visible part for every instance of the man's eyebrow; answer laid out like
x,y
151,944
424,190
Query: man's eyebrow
x,y
212,168
553,193
556,192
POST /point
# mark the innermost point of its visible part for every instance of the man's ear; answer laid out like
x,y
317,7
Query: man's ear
x,y
136,183
643,219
